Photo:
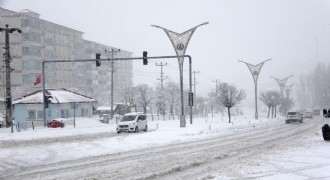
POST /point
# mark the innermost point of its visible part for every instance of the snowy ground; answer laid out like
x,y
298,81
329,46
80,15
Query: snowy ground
x,y
305,158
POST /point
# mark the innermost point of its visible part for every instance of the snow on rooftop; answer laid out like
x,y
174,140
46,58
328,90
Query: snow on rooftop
x,y
59,96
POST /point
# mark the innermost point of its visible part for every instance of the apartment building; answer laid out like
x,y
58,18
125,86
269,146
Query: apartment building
x,y
43,40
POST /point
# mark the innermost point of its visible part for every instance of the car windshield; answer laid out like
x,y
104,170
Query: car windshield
x,y
128,118
292,113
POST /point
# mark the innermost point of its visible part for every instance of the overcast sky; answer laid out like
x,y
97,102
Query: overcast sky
x,y
294,33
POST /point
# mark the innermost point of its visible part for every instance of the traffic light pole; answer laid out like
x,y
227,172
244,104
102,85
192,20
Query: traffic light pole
x,y
182,119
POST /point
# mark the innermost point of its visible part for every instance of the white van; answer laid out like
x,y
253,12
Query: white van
x,y
132,122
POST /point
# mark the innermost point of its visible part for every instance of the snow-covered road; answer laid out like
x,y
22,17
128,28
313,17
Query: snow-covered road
x,y
221,155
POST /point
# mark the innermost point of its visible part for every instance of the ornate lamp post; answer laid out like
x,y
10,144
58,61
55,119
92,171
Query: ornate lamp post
x,y
281,84
288,90
255,70
180,42
9,120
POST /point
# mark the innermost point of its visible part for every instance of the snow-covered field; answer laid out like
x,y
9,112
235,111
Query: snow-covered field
x,y
305,158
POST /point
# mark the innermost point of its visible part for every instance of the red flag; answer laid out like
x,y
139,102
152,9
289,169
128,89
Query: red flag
x,y
38,80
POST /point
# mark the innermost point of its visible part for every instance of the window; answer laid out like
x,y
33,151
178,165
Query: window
x,y
62,113
66,113
31,65
82,112
49,41
31,115
32,37
30,22
49,54
32,51
29,78
40,114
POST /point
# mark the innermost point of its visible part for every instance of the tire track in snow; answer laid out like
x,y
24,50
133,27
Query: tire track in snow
x,y
155,162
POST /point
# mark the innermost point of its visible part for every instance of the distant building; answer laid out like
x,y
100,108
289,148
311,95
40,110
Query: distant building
x,y
64,104
118,108
43,40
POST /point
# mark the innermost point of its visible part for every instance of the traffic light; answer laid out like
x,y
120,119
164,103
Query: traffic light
x,y
190,99
98,56
47,100
145,58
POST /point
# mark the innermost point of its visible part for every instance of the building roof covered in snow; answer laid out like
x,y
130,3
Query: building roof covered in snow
x,y
59,96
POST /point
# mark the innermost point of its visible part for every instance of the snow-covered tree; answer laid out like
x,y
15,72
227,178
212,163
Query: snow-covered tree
x,y
313,89
144,96
213,102
172,95
228,95
128,96
160,100
270,99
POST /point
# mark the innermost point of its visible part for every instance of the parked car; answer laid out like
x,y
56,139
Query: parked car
x,y
294,116
307,114
55,124
132,122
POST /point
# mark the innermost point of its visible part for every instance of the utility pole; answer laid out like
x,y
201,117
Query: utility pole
x,y
161,73
215,91
195,72
216,83
9,120
112,71
162,86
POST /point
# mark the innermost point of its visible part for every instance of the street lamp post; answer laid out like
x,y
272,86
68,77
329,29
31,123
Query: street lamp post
x,y
112,72
255,71
180,42
281,84
9,120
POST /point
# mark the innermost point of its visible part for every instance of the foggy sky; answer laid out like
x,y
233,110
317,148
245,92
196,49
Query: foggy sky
x,y
294,33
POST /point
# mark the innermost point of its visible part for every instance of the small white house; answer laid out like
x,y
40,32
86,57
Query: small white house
x,y
64,104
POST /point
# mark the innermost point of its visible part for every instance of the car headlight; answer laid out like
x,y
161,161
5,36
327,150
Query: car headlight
x,y
132,124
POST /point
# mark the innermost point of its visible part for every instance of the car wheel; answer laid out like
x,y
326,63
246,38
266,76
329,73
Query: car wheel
x,y
146,128
136,129
326,132
118,132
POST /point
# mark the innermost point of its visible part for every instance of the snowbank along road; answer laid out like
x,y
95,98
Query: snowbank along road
x,y
223,155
